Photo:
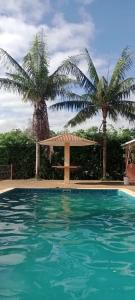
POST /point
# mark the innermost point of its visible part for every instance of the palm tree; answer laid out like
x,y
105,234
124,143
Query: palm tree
x,y
110,97
33,82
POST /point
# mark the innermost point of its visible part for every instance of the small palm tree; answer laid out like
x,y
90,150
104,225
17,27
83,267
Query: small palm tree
x,y
33,82
109,97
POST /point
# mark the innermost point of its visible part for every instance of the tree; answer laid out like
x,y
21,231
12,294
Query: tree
x,y
110,97
33,82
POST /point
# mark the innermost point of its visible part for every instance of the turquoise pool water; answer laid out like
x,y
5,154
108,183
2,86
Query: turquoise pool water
x,y
57,245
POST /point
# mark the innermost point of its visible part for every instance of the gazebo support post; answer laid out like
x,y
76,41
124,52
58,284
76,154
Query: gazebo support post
x,y
37,160
66,163
126,159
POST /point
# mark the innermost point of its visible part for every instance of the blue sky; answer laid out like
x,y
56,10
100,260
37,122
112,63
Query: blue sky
x,y
115,24
105,27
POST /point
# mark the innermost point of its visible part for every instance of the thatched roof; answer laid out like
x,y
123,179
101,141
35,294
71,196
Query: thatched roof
x,y
67,138
130,143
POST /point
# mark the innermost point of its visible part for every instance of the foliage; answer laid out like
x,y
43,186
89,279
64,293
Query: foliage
x,y
107,96
18,148
101,94
33,82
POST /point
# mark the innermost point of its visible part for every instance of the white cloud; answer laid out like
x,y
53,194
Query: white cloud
x,y
64,35
85,2
13,112
15,35
63,38
29,10
66,39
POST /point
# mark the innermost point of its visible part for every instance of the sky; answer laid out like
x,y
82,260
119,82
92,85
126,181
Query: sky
x,y
105,27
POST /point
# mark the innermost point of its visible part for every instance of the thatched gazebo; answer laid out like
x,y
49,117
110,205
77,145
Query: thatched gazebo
x,y
130,161
66,140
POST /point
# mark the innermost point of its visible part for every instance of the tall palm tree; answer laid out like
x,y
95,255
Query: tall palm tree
x,y
34,83
110,97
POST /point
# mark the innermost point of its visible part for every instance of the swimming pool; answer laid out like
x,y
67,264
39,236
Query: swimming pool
x,y
59,245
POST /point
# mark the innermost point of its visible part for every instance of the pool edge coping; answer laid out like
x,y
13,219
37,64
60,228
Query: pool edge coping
x,y
7,190
125,190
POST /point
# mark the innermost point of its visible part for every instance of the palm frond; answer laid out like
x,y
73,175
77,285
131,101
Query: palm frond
x,y
69,105
126,109
86,113
68,67
19,78
28,64
58,85
91,68
61,80
123,65
10,62
126,87
36,63
112,113
101,95
27,91
53,91
11,85
66,95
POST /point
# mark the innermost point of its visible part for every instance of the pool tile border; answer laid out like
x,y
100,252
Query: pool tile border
x,y
68,189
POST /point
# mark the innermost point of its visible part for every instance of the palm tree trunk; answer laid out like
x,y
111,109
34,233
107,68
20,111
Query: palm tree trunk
x,y
104,111
40,121
41,129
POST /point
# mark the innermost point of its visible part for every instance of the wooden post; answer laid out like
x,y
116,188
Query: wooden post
x,y
37,160
126,159
11,168
66,163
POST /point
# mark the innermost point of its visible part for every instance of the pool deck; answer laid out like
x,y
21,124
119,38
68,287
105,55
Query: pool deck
x,y
81,184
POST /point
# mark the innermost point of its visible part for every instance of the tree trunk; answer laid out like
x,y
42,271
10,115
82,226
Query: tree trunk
x,y
41,129
37,161
40,121
104,111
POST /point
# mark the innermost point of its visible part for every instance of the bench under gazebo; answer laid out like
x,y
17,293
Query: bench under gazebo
x,y
65,140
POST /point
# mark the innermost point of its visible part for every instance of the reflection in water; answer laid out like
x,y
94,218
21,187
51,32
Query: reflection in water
x,y
66,204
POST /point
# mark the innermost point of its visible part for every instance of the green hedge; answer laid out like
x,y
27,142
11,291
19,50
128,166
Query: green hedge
x,y
18,148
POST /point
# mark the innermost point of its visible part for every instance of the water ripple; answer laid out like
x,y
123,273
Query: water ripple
x,y
67,246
